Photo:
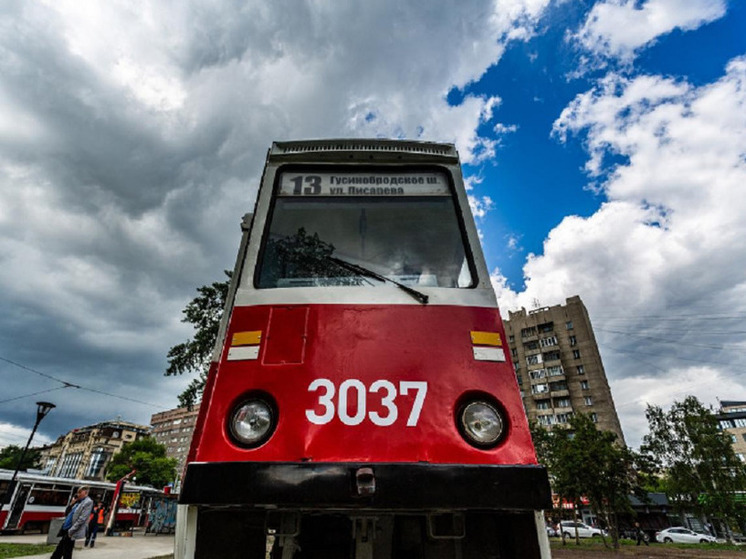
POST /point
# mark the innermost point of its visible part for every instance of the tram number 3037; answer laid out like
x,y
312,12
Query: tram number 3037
x,y
383,392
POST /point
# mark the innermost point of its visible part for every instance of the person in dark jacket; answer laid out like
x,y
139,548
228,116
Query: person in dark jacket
x,y
73,528
94,525
640,535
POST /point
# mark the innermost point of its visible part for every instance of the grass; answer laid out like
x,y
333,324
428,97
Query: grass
x,y
597,544
8,550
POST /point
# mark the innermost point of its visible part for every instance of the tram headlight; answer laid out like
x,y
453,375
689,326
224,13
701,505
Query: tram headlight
x,y
252,421
481,423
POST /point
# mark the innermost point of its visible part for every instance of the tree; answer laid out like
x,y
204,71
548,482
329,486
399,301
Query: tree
x,y
695,459
585,462
10,454
193,356
147,457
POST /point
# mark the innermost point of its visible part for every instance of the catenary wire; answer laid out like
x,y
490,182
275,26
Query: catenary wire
x,y
33,394
80,387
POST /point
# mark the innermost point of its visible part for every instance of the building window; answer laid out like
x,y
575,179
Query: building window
x,y
584,385
538,373
733,439
594,417
543,405
533,344
98,459
70,464
555,371
546,419
533,359
564,417
562,403
743,435
546,327
511,338
557,386
740,422
548,342
568,324
530,331
576,353
573,340
581,370
726,424
514,352
539,388
552,356
588,400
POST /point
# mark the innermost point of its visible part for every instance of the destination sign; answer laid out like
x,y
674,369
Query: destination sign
x,y
364,184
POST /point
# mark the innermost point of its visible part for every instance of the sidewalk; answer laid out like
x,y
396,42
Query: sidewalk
x,y
139,546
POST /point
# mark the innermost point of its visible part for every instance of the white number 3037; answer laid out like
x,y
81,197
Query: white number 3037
x,y
336,402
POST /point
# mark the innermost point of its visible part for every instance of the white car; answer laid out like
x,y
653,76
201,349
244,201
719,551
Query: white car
x,y
679,534
584,531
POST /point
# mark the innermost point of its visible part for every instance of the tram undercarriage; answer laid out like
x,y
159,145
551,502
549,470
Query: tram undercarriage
x,y
234,532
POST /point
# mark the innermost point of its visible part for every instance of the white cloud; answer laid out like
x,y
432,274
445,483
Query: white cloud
x,y
619,28
662,259
14,435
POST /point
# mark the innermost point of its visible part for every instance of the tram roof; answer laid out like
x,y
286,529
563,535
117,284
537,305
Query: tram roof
x,y
375,148
41,478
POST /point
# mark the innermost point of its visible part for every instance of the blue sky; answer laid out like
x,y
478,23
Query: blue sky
x,y
539,179
604,141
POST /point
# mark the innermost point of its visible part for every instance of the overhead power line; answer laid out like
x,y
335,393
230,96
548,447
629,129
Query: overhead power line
x,y
66,384
24,367
668,340
32,394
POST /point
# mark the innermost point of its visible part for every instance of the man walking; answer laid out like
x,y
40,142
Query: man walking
x,y
640,535
73,528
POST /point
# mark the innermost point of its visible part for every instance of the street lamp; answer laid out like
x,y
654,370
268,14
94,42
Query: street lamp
x,y
42,409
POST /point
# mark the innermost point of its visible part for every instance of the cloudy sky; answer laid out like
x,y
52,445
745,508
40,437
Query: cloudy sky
x,y
604,141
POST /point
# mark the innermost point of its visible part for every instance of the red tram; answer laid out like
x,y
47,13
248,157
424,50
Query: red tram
x,y
361,402
36,499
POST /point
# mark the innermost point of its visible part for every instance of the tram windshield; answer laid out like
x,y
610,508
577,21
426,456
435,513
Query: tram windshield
x,y
403,226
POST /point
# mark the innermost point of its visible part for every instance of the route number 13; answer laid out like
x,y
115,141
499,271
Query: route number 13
x,y
355,391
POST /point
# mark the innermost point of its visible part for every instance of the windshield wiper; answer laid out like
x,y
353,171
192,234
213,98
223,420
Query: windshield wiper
x,y
421,297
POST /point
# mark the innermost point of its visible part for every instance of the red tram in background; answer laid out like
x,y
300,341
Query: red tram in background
x,y
361,402
36,499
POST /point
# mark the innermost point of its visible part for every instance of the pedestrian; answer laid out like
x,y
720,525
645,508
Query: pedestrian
x,y
95,523
640,535
73,528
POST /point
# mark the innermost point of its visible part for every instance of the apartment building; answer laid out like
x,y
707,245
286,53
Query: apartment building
x,y
732,419
559,367
85,452
174,428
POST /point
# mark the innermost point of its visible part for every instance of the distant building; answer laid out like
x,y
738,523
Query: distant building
x,y
732,419
84,453
558,366
174,429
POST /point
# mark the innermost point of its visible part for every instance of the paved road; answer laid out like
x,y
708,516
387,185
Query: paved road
x,y
140,546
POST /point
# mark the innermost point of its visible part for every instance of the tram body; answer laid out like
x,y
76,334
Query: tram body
x,y
361,401
35,500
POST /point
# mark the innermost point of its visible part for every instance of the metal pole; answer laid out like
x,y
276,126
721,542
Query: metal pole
x,y
42,409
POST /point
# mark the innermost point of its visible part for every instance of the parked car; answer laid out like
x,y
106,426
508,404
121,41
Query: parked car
x,y
551,531
679,534
567,527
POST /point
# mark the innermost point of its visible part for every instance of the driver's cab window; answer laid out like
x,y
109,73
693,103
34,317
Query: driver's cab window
x,y
332,228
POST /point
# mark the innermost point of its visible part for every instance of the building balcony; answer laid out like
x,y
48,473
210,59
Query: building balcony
x,y
559,393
